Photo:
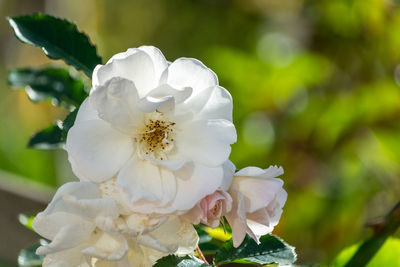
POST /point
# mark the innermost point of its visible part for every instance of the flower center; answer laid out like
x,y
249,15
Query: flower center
x,y
156,137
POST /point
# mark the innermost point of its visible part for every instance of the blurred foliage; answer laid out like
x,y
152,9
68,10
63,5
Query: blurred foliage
x,y
388,255
315,85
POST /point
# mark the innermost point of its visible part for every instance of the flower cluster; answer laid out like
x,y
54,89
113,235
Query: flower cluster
x,y
151,148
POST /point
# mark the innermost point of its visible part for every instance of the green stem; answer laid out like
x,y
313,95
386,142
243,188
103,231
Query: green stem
x,y
371,246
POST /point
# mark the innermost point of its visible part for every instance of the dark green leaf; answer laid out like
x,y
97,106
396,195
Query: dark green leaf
x,y
49,138
59,39
28,258
54,136
69,122
175,261
49,83
270,250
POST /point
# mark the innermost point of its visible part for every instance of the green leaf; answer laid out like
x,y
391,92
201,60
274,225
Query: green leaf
x,y
69,122
175,261
207,243
49,138
388,254
270,250
53,84
28,258
26,221
54,136
59,39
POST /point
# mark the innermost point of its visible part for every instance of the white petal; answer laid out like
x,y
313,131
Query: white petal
x,y
116,102
106,246
149,104
271,172
163,90
188,72
69,236
134,65
211,103
65,258
49,225
229,169
80,190
159,62
196,182
207,141
143,180
86,112
184,235
91,208
97,151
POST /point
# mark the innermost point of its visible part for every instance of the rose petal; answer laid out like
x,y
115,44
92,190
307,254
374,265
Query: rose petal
x,y
143,180
134,65
116,102
69,236
189,72
106,246
96,151
207,141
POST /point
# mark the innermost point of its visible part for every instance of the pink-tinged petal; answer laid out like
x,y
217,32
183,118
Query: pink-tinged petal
x,y
207,141
134,65
237,218
97,151
106,246
258,193
143,180
116,102
188,72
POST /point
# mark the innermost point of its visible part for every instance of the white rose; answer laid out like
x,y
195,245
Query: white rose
x,y
163,129
83,227
258,198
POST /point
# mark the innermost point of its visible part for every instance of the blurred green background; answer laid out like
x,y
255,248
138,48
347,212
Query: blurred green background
x,y
315,87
